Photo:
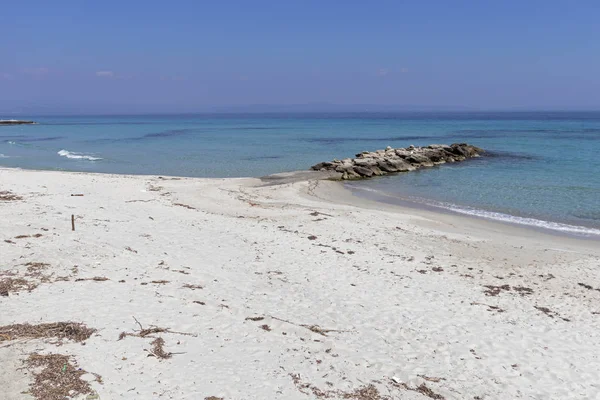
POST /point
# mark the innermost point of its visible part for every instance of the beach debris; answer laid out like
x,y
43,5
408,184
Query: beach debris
x,y
75,331
184,206
492,290
317,213
57,378
214,398
95,278
431,378
365,392
523,291
158,350
193,287
37,235
147,332
266,327
490,308
313,328
495,290
589,287
551,313
254,318
76,194
382,162
422,388
72,222
312,237
152,188
13,285
35,268
6,195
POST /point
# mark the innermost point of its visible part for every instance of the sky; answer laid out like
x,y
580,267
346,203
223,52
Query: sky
x,y
191,56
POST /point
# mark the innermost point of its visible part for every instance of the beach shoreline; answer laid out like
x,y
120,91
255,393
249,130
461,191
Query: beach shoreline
x,y
286,288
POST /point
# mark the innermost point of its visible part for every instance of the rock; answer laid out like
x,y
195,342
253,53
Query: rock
x,y
435,155
381,162
363,171
385,166
402,153
420,159
366,162
322,166
400,165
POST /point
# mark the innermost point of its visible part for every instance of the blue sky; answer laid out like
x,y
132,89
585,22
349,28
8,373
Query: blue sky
x,y
190,55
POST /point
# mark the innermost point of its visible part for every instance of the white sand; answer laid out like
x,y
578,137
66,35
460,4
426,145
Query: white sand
x,y
408,303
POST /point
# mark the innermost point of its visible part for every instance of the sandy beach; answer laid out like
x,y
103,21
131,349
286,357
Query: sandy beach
x,y
252,289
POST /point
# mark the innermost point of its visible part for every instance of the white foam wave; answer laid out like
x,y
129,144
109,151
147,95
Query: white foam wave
x,y
513,219
3,156
556,226
78,156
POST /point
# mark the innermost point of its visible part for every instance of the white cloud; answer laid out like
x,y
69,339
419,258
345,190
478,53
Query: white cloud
x,y
105,74
383,72
6,76
404,70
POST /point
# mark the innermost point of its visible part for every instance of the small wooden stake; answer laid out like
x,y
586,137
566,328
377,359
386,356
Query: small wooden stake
x,y
72,222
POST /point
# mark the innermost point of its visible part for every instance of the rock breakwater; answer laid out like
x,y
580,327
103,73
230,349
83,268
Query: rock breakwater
x,y
382,162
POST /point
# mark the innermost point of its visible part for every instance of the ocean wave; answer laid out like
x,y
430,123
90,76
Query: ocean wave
x,y
492,215
78,156
3,156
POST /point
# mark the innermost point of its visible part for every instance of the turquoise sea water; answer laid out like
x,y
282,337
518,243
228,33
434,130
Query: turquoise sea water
x,y
542,169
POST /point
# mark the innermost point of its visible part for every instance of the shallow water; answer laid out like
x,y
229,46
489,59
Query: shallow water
x,y
542,168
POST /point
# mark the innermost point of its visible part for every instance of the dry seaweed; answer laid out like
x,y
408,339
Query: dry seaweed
x,y
95,278
146,332
495,290
75,331
365,392
193,287
14,285
184,206
6,195
157,349
56,378
254,318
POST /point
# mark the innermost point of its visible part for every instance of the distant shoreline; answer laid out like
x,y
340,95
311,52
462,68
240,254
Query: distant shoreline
x,y
16,122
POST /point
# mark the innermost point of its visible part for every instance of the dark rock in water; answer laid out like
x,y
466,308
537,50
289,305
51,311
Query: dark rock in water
x,y
15,122
381,162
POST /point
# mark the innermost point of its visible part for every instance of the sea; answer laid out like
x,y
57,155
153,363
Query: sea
x,y
541,169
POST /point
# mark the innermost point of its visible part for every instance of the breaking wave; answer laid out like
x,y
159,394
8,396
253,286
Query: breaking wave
x,y
490,215
78,156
